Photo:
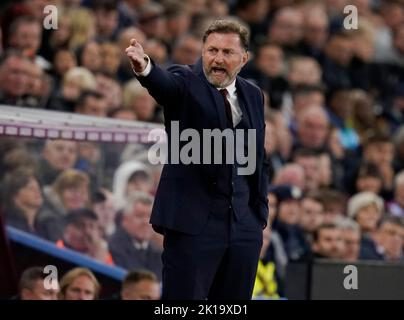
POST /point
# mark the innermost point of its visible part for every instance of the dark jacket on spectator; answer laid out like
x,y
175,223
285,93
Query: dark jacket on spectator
x,y
126,255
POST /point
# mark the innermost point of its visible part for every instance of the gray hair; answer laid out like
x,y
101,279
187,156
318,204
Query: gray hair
x,y
399,179
347,224
363,199
133,199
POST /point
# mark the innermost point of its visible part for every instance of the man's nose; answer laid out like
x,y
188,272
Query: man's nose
x,y
219,57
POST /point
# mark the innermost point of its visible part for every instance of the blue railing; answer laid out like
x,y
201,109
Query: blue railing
x,y
66,254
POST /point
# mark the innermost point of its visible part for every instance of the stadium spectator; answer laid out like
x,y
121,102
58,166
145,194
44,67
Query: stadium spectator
x,y
265,285
312,214
130,245
82,233
396,207
79,284
351,235
137,98
103,205
14,78
187,49
75,81
369,178
32,285
312,128
390,238
69,191
140,285
130,177
366,208
25,35
334,204
91,103
287,221
57,155
23,201
328,242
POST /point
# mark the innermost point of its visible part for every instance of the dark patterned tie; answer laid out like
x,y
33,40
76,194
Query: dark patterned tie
x,y
229,116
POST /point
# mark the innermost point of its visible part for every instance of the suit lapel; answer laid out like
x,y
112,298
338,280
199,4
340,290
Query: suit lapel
x,y
208,91
244,101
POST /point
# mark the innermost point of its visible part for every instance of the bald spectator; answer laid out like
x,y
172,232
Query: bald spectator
x,y
140,285
32,285
312,128
57,155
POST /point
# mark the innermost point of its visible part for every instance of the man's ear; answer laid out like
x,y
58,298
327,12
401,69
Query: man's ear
x,y
246,56
25,294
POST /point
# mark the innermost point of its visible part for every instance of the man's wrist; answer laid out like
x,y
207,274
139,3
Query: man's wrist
x,y
146,70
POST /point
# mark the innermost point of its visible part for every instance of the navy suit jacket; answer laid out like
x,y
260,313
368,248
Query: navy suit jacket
x,y
184,195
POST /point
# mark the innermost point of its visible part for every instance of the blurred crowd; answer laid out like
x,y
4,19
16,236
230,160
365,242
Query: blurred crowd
x,y
334,125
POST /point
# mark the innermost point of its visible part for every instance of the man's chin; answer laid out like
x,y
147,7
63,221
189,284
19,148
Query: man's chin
x,y
218,83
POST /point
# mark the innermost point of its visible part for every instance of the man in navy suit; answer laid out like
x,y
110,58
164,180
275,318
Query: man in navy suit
x,y
211,215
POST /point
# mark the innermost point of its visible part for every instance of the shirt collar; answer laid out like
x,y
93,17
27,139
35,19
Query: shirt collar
x,y
141,245
231,88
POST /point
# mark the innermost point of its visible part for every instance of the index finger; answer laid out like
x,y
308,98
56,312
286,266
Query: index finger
x,y
133,42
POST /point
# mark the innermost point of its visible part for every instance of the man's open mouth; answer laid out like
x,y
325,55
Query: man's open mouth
x,y
218,70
